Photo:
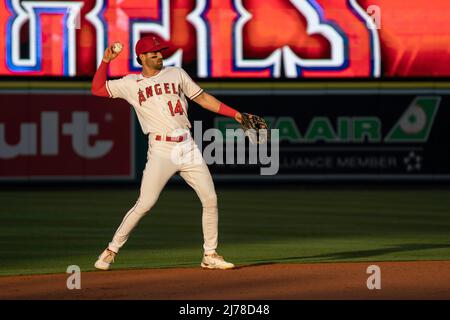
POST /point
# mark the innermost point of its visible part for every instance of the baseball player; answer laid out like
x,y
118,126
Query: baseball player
x,y
158,95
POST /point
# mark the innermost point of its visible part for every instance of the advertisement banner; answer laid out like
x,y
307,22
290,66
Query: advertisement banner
x,y
65,137
346,137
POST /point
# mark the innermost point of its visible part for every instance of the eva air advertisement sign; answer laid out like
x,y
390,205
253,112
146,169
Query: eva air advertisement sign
x,y
356,137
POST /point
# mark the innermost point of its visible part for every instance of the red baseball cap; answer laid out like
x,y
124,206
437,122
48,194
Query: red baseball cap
x,y
149,44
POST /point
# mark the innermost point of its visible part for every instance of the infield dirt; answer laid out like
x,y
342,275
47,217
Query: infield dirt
x,y
341,281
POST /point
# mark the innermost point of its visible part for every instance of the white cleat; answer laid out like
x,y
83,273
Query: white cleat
x,y
214,261
105,260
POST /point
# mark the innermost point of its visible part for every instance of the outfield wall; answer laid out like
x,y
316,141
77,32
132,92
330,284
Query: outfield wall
x,y
371,131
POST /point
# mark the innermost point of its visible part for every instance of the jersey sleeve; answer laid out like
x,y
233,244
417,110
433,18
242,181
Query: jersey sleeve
x,y
189,87
117,88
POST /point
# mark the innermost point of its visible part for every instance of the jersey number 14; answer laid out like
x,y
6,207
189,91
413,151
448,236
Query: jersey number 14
x,y
178,108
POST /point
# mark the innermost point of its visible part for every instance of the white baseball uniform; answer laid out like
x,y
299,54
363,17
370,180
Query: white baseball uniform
x,y
161,107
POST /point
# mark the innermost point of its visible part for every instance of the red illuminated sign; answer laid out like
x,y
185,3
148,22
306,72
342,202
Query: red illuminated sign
x,y
230,38
65,136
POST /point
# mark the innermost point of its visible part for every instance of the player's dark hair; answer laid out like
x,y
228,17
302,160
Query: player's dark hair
x,y
139,60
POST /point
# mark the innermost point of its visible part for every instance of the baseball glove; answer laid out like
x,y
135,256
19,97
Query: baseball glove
x,y
255,128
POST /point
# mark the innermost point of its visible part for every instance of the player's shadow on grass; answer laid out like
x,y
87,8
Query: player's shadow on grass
x,y
346,255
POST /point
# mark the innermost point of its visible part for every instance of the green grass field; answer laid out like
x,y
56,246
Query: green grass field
x,y
46,231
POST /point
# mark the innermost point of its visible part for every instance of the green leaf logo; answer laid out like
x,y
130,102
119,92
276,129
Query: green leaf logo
x,y
416,122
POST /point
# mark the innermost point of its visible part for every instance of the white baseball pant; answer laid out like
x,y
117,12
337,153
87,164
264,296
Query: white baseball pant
x,y
164,159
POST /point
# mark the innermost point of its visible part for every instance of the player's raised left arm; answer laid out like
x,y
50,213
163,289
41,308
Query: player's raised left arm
x,y
210,103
